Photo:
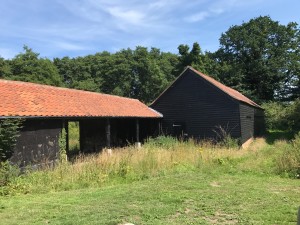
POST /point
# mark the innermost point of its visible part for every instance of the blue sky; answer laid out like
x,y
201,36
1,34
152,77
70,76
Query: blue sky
x,y
58,28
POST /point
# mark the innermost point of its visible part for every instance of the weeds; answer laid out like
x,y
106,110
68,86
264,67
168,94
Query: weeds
x,y
289,160
159,157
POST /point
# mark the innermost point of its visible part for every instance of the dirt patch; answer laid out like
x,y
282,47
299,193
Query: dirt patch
x,y
222,218
215,184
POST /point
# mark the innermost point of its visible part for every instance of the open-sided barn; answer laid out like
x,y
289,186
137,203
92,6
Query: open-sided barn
x,y
104,120
198,106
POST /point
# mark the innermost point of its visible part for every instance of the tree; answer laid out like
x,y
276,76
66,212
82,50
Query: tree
x,y
261,59
29,67
5,70
194,58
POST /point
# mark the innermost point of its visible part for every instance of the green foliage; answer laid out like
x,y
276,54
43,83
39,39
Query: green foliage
x,y
8,173
137,73
289,160
9,132
74,137
283,116
293,115
224,138
194,58
260,58
276,115
62,145
5,70
166,142
29,67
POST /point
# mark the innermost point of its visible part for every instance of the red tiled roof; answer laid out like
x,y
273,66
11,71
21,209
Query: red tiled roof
x,y
233,93
35,100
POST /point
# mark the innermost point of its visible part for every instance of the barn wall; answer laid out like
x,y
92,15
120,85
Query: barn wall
x,y
247,121
38,142
194,106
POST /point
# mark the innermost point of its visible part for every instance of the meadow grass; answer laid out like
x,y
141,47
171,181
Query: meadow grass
x,y
164,182
189,197
158,158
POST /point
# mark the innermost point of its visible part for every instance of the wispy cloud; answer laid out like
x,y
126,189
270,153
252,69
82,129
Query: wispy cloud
x,y
77,26
215,8
198,16
127,16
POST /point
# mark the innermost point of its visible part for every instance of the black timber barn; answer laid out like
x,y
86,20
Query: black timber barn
x,y
197,106
105,121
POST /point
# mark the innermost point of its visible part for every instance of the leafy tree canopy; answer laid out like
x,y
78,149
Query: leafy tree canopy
x,y
261,59
28,66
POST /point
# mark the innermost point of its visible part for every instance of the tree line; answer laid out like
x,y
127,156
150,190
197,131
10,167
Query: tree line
x,y
260,58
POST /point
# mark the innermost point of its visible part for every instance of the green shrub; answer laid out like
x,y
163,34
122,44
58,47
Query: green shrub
x,y
225,139
282,116
276,115
8,173
9,132
289,160
166,142
62,146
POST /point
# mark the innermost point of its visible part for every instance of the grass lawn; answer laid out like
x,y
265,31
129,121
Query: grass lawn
x,y
183,198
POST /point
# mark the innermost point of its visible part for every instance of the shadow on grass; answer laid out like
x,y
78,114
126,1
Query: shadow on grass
x,y
275,135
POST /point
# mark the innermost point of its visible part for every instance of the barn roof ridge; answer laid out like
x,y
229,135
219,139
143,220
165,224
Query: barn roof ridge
x,y
26,99
228,90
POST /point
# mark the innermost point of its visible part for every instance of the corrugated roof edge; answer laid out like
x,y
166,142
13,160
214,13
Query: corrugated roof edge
x,y
205,77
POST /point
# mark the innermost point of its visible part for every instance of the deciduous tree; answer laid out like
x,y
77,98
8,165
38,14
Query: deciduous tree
x,y
261,59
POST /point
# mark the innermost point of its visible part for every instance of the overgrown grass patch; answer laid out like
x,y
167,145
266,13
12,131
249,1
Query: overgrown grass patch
x,y
165,182
188,197
156,159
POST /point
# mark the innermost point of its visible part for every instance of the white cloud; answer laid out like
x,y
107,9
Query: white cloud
x,y
67,26
69,46
126,16
197,17
216,8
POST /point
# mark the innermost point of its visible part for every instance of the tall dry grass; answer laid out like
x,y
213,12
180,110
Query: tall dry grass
x,y
156,158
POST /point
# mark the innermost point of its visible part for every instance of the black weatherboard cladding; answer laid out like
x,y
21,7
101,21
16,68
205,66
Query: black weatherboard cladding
x,y
198,107
247,121
38,142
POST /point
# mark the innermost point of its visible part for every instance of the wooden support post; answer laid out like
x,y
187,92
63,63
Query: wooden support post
x,y
65,127
137,125
298,220
159,128
81,137
107,129
67,135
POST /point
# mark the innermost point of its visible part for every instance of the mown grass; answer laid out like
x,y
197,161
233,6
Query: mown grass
x,y
164,182
184,198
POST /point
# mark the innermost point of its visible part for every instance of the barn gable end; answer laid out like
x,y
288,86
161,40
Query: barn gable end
x,y
197,106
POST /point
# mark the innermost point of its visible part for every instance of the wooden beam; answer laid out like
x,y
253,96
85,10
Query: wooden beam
x,y
67,136
107,130
65,126
137,126
159,128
